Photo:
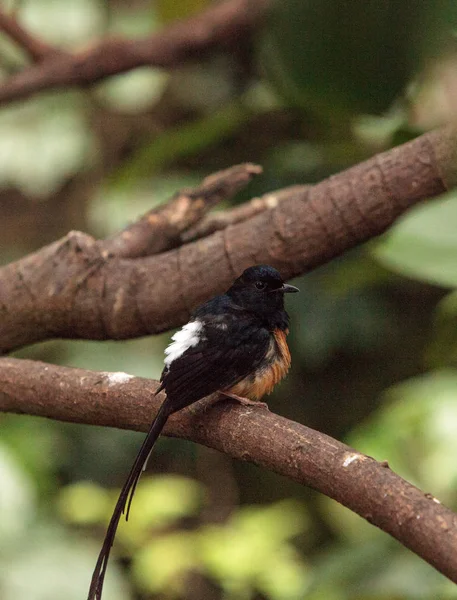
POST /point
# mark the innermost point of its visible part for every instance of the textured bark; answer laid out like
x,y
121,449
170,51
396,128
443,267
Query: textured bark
x,y
359,482
161,228
73,289
225,24
217,221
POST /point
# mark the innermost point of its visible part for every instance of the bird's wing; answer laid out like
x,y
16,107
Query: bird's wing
x,y
212,354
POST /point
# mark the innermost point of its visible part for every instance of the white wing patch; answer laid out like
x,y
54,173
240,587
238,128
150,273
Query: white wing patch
x,y
183,339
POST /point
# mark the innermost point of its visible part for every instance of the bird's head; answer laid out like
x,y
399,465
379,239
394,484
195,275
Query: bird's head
x,y
260,289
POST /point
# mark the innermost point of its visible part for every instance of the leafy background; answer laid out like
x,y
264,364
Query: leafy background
x,y
374,343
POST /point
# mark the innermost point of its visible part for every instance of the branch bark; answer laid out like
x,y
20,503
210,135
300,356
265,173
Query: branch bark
x,y
73,289
162,228
223,24
359,482
218,221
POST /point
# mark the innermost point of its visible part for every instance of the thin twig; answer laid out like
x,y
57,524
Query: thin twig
x,y
223,24
160,229
222,219
36,49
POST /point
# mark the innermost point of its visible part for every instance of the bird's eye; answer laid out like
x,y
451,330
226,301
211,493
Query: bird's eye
x,y
260,285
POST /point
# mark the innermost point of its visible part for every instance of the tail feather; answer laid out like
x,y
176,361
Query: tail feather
x,y
125,500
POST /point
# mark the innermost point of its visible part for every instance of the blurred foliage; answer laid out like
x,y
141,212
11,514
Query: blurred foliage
x,y
423,244
321,86
251,550
171,11
358,56
423,408
442,350
43,142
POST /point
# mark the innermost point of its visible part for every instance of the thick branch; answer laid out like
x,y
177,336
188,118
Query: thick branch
x,y
359,482
72,289
161,228
224,24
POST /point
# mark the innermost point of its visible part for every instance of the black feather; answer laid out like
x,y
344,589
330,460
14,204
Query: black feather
x,y
222,358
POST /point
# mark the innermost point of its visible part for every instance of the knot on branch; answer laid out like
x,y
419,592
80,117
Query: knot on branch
x,y
64,266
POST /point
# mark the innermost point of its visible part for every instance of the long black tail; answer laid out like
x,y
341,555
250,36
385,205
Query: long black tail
x,y
125,499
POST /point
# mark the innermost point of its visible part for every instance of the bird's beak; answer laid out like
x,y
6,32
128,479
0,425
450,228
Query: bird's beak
x,y
288,289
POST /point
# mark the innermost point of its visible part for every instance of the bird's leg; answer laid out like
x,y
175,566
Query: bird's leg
x,y
245,401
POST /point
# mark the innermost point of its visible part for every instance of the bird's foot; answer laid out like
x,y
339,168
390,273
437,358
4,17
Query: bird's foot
x,y
245,401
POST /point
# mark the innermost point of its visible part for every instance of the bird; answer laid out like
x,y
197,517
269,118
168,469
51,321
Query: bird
x,y
234,344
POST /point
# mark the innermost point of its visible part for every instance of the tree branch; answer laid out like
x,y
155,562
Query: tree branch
x,y
218,221
359,482
35,48
161,228
73,289
223,24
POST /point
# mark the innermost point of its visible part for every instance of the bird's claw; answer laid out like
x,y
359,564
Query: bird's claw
x,y
246,401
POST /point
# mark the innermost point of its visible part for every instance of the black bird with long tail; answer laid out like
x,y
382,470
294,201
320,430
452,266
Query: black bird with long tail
x,y
234,344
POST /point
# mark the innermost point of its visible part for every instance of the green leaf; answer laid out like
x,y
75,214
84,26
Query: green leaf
x,y
84,503
351,57
43,142
53,565
378,569
442,350
162,564
239,554
161,501
135,91
17,500
415,431
284,577
65,22
179,9
423,245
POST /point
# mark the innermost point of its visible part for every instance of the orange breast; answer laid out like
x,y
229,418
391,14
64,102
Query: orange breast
x,y
275,367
